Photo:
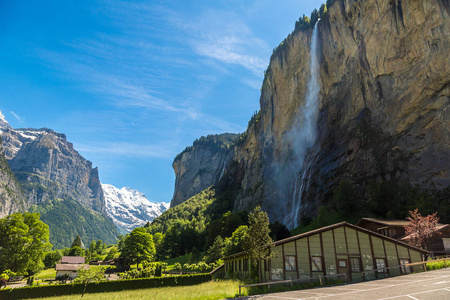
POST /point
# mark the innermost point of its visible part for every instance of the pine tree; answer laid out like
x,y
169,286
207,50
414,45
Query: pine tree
x,y
77,242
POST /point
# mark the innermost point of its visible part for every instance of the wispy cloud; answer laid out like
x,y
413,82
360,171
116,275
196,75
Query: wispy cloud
x,y
16,116
225,37
130,149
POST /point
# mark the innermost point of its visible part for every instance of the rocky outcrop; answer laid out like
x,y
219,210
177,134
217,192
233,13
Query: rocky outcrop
x,y
129,208
11,197
201,165
383,108
47,175
48,167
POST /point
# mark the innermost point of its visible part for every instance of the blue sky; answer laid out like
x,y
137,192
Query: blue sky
x,y
132,83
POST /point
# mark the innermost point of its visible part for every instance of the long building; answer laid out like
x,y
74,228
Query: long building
x,y
341,248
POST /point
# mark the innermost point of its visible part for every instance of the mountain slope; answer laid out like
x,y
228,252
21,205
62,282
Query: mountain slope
x,y
383,112
201,165
59,183
11,197
129,208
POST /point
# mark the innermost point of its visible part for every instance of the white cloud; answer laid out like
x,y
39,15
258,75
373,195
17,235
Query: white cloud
x,y
16,116
225,37
129,149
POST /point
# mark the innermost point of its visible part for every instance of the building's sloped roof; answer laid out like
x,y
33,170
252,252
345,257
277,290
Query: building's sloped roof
x,y
387,222
70,267
72,260
337,225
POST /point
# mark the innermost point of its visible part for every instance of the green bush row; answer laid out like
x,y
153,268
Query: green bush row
x,y
101,287
438,265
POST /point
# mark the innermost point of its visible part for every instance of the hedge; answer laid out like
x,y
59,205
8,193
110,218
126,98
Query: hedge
x,y
101,287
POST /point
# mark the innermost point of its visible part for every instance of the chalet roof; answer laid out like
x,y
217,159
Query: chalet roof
x,y
384,222
337,225
72,260
70,267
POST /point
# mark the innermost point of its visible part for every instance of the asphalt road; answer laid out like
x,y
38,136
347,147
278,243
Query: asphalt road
x,y
431,285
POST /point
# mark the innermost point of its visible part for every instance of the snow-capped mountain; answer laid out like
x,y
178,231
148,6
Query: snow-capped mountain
x,y
129,208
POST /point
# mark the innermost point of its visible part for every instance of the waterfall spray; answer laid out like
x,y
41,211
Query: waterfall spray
x,y
303,134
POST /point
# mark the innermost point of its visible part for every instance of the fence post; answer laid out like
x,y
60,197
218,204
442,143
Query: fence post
x,y
320,279
424,266
239,290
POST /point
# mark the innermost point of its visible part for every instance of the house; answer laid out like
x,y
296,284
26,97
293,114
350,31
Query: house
x,y
70,265
395,229
341,248
69,269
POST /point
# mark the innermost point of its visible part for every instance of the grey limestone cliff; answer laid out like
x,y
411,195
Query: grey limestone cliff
x,y
383,108
201,165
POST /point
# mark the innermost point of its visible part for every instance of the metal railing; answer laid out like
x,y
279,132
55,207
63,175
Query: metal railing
x,y
346,275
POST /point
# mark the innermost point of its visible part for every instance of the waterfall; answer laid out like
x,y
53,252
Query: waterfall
x,y
303,134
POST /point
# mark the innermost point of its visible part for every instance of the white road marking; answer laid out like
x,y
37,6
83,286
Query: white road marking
x,y
377,288
440,282
410,295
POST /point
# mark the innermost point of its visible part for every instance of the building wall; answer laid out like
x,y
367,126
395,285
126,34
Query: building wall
x,y
336,251
72,274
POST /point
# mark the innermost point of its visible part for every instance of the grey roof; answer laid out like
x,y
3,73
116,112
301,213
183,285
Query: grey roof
x,y
72,260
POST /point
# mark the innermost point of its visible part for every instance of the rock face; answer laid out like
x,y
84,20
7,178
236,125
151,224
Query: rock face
x,y
47,175
11,197
129,208
383,108
49,167
201,165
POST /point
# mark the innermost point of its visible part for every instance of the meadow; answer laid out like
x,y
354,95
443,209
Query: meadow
x,y
206,291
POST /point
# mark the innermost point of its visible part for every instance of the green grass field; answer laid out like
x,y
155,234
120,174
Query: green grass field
x,y
47,274
205,291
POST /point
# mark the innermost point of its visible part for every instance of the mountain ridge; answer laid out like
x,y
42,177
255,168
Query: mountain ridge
x,y
129,208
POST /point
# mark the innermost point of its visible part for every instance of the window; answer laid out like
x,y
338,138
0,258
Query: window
x,y
405,269
316,263
342,264
355,264
289,263
240,265
246,264
446,242
381,264
392,232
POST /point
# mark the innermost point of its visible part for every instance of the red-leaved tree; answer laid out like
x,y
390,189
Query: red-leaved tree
x,y
421,230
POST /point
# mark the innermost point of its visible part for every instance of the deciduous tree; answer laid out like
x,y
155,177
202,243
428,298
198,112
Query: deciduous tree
x,y
23,242
258,242
138,246
422,230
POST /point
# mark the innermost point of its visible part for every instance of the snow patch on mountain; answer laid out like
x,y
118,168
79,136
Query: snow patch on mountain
x,y
3,122
129,208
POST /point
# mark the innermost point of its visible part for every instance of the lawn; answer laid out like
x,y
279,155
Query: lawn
x,y
47,274
206,291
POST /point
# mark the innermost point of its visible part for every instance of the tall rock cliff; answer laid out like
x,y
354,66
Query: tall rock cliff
x,y
11,197
53,179
49,167
201,165
383,110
